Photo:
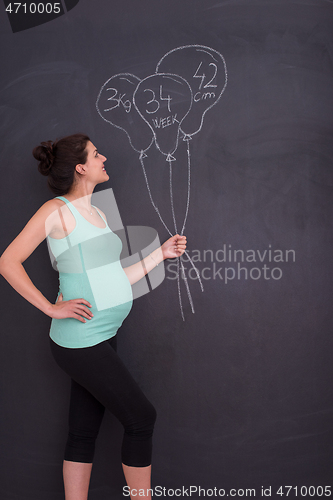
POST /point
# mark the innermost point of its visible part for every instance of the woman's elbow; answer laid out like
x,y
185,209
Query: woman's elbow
x,y
1,266
4,264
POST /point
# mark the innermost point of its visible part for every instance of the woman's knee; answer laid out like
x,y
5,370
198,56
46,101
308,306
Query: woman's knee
x,y
152,416
143,422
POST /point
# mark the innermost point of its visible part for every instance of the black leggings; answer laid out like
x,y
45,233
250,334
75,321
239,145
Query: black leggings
x,y
100,380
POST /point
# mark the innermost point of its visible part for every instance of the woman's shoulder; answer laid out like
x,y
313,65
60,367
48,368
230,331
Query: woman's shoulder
x,y
55,213
47,208
49,211
51,205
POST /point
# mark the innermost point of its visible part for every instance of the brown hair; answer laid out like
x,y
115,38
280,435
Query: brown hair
x,y
58,159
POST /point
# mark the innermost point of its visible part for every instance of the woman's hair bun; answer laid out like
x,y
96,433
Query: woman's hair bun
x,y
58,160
45,154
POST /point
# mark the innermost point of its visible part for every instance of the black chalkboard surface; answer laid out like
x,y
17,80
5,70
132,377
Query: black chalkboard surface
x,y
216,121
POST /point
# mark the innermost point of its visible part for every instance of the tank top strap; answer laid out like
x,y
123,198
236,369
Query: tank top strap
x,y
76,213
99,213
62,198
69,205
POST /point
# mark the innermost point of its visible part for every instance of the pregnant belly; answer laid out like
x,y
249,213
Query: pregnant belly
x,y
104,287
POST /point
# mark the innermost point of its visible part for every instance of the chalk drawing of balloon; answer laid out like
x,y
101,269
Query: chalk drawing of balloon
x,y
115,106
163,100
206,72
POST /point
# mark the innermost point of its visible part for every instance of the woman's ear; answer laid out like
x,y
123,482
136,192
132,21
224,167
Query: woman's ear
x,y
80,168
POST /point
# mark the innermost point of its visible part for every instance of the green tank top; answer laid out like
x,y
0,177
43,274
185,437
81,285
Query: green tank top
x,y
89,267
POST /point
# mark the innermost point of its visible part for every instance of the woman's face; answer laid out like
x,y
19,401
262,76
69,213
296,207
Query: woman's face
x,y
94,166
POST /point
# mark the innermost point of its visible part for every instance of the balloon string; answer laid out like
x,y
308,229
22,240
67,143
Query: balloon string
x,y
175,226
171,198
178,259
187,286
168,230
158,213
179,293
151,198
188,185
187,208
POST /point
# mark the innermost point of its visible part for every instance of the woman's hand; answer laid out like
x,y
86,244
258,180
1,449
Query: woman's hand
x,y
174,247
75,308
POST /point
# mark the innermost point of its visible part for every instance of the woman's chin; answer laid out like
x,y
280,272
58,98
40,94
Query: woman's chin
x,y
105,179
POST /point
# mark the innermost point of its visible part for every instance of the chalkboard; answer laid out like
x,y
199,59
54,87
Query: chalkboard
x,y
216,120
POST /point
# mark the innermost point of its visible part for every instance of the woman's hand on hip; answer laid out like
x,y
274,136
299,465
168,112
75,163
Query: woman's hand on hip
x,y
75,308
174,247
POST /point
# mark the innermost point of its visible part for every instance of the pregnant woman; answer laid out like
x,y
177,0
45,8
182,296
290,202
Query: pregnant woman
x,y
94,298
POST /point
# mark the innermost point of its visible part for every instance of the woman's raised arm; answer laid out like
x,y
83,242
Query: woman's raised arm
x,y
171,248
